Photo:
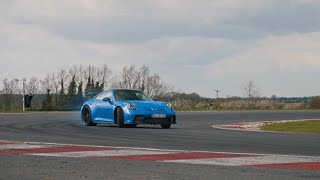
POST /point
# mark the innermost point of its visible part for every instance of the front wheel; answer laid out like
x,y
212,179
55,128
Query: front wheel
x,y
120,118
166,126
86,117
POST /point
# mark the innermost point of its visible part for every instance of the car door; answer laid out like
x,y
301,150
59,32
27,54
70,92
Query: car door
x,y
106,107
98,103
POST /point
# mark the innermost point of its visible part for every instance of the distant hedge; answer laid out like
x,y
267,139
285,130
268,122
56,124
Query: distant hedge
x,y
314,102
236,105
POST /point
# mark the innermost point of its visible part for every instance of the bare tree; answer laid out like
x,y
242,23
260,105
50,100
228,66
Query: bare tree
x,y
103,75
144,74
45,84
90,72
46,87
10,88
135,79
62,76
251,89
81,74
73,72
142,79
55,88
115,82
129,77
32,86
157,88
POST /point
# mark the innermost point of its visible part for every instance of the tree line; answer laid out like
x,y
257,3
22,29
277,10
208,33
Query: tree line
x,y
66,89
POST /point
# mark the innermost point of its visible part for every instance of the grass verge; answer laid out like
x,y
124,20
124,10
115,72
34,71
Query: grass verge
x,y
312,126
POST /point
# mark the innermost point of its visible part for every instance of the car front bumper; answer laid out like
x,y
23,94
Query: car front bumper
x,y
141,119
145,117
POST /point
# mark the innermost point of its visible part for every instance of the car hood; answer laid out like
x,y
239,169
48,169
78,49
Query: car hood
x,y
149,105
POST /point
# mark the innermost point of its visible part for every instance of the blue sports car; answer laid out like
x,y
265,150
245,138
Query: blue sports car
x,y
126,108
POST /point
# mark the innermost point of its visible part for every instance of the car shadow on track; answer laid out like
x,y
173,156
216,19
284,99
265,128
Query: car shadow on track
x,y
137,127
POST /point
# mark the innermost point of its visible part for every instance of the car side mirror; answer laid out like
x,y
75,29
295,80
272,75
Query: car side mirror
x,y
106,99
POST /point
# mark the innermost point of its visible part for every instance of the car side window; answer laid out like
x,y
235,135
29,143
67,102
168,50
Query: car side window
x,y
104,95
141,96
109,95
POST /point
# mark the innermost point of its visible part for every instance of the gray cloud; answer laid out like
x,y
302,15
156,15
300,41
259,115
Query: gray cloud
x,y
195,45
280,17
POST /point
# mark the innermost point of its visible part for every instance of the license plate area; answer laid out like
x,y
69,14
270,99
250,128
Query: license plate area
x,y
158,116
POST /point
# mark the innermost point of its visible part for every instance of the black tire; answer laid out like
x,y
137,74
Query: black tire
x,y
120,118
86,117
131,125
165,126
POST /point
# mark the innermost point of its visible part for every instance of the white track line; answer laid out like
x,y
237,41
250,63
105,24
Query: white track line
x,y
103,153
242,161
24,146
118,152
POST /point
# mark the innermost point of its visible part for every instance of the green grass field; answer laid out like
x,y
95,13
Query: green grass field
x,y
311,126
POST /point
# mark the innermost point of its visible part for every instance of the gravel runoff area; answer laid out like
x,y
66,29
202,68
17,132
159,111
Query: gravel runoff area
x,y
253,126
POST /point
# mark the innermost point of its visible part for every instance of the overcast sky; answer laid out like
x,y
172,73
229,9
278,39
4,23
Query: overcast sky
x,y
195,45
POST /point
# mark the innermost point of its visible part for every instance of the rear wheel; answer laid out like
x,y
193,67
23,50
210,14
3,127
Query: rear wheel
x,y
86,117
166,126
120,118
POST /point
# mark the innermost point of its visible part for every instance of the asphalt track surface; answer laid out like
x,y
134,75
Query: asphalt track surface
x,y
193,132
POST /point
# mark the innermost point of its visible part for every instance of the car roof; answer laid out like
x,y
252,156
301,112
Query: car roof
x,y
126,89
123,89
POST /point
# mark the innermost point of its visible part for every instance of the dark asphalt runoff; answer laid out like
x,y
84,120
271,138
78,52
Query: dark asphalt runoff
x,y
193,132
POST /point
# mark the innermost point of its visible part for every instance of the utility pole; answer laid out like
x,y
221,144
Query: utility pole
x,y
217,91
24,93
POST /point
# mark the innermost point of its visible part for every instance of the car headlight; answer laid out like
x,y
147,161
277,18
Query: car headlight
x,y
170,105
131,106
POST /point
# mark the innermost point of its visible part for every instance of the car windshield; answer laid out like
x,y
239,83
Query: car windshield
x,y
124,95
